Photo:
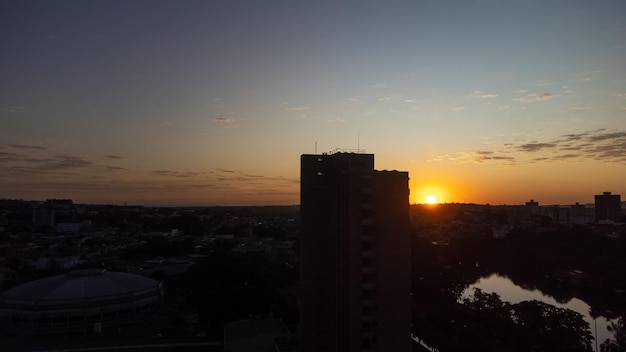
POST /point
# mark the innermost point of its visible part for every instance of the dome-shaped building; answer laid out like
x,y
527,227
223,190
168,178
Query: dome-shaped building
x,y
84,300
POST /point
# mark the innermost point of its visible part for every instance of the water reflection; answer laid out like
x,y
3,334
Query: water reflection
x,y
512,293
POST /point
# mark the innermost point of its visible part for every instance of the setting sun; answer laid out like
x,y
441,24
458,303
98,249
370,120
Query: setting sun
x,y
431,199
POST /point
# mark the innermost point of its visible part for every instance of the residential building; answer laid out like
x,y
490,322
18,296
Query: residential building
x,y
608,206
355,255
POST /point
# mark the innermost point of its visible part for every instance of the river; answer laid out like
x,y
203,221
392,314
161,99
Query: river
x,y
509,292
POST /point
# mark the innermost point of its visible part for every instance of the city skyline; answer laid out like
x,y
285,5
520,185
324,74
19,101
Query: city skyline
x,y
212,103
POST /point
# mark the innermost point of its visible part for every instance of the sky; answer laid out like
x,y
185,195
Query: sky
x,y
151,102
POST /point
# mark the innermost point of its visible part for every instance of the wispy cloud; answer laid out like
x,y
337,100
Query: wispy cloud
x,y
534,147
226,119
43,170
300,108
602,145
544,96
28,147
25,161
13,109
542,83
483,95
378,86
61,162
458,108
534,97
178,174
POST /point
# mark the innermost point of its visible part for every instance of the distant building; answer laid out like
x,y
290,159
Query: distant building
x,y
532,206
558,214
608,207
355,255
579,214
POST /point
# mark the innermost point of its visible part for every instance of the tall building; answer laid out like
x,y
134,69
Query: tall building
x,y
355,255
608,206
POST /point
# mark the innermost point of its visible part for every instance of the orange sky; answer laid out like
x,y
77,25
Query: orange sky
x,y
212,103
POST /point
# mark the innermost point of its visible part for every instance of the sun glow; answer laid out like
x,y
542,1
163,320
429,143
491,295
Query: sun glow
x,y
430,193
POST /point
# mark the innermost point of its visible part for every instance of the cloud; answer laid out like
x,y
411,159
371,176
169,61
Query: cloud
x,y
378,86
542,83
39,171
458,108
545,96
606,136
410,101
533,147
35,162
178,174
601,145
163,172
384,99
28,147
487,96
298,108
13,109
496,157
61,162
223,119
534,97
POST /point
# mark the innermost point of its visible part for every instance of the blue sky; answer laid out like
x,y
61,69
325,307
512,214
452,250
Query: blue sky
x,y
212,102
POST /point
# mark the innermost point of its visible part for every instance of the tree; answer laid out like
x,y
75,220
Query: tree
x,y
551,328
618,342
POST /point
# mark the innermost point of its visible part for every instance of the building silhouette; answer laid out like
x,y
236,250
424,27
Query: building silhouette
x,y
355,255
608,206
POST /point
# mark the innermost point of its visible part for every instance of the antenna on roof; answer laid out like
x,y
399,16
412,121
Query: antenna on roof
x,y
358,139
315,147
